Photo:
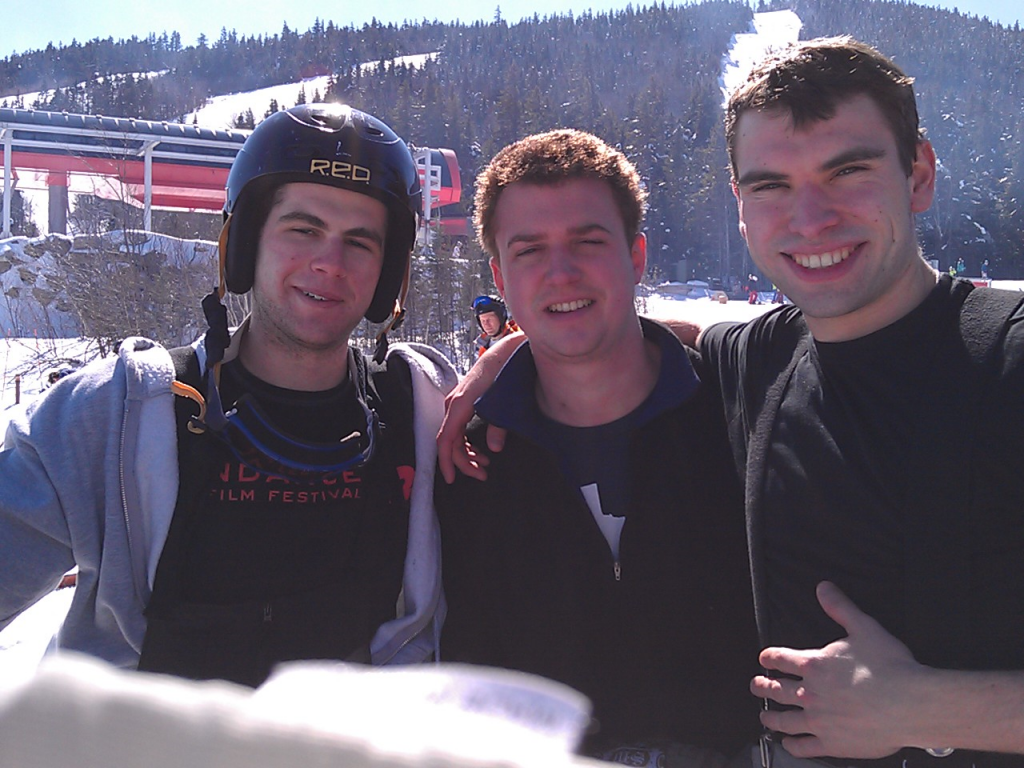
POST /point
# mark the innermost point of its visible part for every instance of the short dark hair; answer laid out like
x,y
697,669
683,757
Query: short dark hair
x,y
808,80
551,158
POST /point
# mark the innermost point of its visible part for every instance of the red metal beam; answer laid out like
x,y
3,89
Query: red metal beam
x,y
195,201
130,171
175,185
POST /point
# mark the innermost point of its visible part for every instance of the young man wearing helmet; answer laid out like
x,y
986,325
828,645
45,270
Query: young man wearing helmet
x,y
493,321
281,509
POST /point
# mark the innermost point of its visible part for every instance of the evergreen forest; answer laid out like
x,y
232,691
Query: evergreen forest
x,y
646,79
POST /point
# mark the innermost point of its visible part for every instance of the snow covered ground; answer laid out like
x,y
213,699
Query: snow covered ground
x,y
24,641
27,100
30,360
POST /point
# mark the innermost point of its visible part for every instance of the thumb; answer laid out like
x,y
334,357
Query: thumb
x,y
495,438
842,610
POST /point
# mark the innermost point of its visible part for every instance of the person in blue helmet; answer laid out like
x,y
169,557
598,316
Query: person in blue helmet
x,y
493,320
259,496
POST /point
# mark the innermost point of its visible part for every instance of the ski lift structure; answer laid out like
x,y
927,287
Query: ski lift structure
x,y
441,183
154,164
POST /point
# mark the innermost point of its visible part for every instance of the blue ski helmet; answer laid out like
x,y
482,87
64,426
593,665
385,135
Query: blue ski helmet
x,y
485,304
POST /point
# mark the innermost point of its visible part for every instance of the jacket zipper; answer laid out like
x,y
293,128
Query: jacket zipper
x,y
617,568
120,472
138,577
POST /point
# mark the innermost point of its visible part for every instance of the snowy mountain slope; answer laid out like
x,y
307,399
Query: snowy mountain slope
x,y
26,100
221,111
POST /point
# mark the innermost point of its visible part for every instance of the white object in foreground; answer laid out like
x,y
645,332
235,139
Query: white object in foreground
x,y
83,712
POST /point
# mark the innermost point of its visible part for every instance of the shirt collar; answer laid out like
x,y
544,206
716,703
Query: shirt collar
x,y
511,402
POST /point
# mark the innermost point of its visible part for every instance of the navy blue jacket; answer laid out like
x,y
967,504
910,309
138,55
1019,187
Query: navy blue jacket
x,y
667,649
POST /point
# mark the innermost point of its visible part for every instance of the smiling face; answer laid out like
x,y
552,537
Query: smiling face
x,y
828,215
566,268
319,259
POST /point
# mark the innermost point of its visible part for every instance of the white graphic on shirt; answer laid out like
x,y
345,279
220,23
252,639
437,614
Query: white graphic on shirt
x,y
610,526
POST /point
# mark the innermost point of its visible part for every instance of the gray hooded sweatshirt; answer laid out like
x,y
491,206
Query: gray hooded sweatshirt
x,y
89,477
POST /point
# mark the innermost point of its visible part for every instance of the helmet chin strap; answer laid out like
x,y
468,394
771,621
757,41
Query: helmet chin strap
x,y
397,316
217,340
218,337
222,256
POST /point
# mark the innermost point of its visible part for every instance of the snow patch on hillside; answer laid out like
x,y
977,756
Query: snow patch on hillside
x,y
770,31
221,111
27,100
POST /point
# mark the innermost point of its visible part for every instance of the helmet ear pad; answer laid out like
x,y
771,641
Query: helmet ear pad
x,y
397,246
245,225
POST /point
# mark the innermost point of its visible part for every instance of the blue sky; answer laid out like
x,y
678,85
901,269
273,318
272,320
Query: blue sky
x,y
43,21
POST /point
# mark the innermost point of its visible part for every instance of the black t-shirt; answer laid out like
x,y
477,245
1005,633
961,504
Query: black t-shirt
x,y
836,475
288,536
596,460
838,478
257,569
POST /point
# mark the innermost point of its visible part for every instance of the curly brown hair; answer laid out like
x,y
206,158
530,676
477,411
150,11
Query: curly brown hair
x,y
553,157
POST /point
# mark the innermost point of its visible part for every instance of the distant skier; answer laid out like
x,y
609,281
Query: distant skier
x,y
493,320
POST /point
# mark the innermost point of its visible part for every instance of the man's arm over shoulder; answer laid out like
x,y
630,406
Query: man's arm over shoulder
x,y
687,330
453,450
745,358
688,319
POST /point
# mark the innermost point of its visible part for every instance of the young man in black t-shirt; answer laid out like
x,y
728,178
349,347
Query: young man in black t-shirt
x,y
843,411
